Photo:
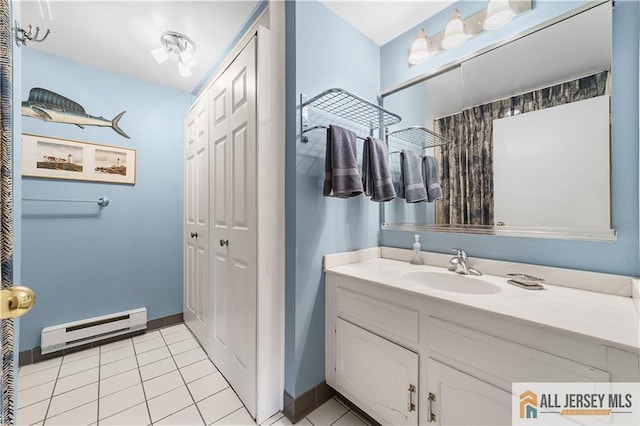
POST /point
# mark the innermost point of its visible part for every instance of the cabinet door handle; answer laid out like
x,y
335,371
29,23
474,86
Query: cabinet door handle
x,y
194,235
410,405
432,414
224,243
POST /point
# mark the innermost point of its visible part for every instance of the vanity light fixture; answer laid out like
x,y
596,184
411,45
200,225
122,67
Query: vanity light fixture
x,y
419,52
496,14
179,45
499,13
454,35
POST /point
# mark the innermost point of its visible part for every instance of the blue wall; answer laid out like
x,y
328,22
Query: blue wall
x,y
82,263
328,53
622,257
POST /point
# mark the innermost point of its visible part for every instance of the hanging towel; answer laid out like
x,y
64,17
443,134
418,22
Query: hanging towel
x,y
341,176
412,187
430,177
376,178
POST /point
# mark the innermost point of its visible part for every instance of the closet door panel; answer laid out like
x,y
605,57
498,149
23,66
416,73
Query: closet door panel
x,y
196,220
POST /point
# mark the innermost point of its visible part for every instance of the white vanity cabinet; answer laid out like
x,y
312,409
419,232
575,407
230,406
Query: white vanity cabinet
x,y
382,342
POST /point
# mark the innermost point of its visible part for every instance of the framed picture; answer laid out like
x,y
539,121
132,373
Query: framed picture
x,y
55,158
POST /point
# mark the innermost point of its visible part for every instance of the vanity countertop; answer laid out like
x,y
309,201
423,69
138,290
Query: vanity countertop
x,y
608,319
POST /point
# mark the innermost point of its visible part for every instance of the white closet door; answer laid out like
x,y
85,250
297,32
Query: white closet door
x,y
196,216
234,217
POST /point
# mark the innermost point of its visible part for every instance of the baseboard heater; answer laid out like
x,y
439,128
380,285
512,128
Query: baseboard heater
x,y
71,334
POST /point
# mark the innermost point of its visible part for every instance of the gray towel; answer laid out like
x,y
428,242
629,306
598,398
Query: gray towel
x,y
412,187
341,175
376,177
431,179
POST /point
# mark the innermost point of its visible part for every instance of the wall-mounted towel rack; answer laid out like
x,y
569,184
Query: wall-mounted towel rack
x,y
348,106
102,201
420,136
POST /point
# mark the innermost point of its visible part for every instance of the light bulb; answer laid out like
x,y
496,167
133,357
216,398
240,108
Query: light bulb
x,y
160,54
187,58
499,13
454,35
184,70
419,52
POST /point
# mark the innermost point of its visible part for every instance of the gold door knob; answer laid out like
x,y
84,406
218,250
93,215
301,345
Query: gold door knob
x,y
16,301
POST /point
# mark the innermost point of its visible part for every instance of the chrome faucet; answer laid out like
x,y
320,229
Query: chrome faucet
x,y
459,263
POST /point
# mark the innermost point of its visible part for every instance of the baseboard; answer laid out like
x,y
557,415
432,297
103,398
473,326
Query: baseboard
x,y
295,409
31,356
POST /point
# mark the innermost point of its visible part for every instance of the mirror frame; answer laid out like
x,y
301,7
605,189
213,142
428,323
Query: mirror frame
x,y
503,231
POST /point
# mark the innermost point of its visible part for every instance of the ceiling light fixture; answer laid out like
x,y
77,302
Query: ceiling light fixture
x,y
496,14
419,49
179,45
454,35
499,13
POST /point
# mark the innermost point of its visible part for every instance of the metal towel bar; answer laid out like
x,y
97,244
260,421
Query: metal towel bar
x,y
102,201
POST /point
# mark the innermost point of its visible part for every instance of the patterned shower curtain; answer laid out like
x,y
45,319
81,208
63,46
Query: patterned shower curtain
x,y
6,215
466,164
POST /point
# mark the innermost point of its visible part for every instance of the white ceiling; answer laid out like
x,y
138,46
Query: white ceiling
x,y
118,35
383,20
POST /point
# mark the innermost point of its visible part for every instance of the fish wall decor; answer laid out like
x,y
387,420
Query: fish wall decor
x,y
50,106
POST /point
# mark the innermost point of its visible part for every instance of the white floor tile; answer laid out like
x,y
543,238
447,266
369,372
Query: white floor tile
x,y
116,355
76,366
169,403
83,415
146,336
33,413
157,368
35,394
75,356
153,356
162,384
115,368
349,419
199,369
75,381
148,345
283,421
219,405
238,417
207,386
189,357
138,415
272,419
186,417
177,336
119,382
173,329
327,413
39,366
37,378
183,346
75,398
120,401
115,345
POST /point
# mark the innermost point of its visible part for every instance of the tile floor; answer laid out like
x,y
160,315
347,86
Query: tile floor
x,y
161,378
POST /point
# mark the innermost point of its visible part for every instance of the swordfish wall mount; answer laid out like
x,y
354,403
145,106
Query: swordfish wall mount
x,y
46,105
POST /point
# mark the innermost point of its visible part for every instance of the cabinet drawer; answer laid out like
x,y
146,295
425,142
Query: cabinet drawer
x,y
376,374
378,316
500,361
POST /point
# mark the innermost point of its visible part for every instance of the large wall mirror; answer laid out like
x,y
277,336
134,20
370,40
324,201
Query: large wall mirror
x,y
529,130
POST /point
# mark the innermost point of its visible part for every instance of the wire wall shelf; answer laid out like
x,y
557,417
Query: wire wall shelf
x,y
348,106
420,136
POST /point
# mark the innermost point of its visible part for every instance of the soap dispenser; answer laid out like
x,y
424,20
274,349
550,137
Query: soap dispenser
x,y
417,259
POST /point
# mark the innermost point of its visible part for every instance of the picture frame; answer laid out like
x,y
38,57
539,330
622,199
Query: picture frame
x,y
55,158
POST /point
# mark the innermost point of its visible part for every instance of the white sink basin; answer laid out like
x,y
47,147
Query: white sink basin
x,y
452,282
